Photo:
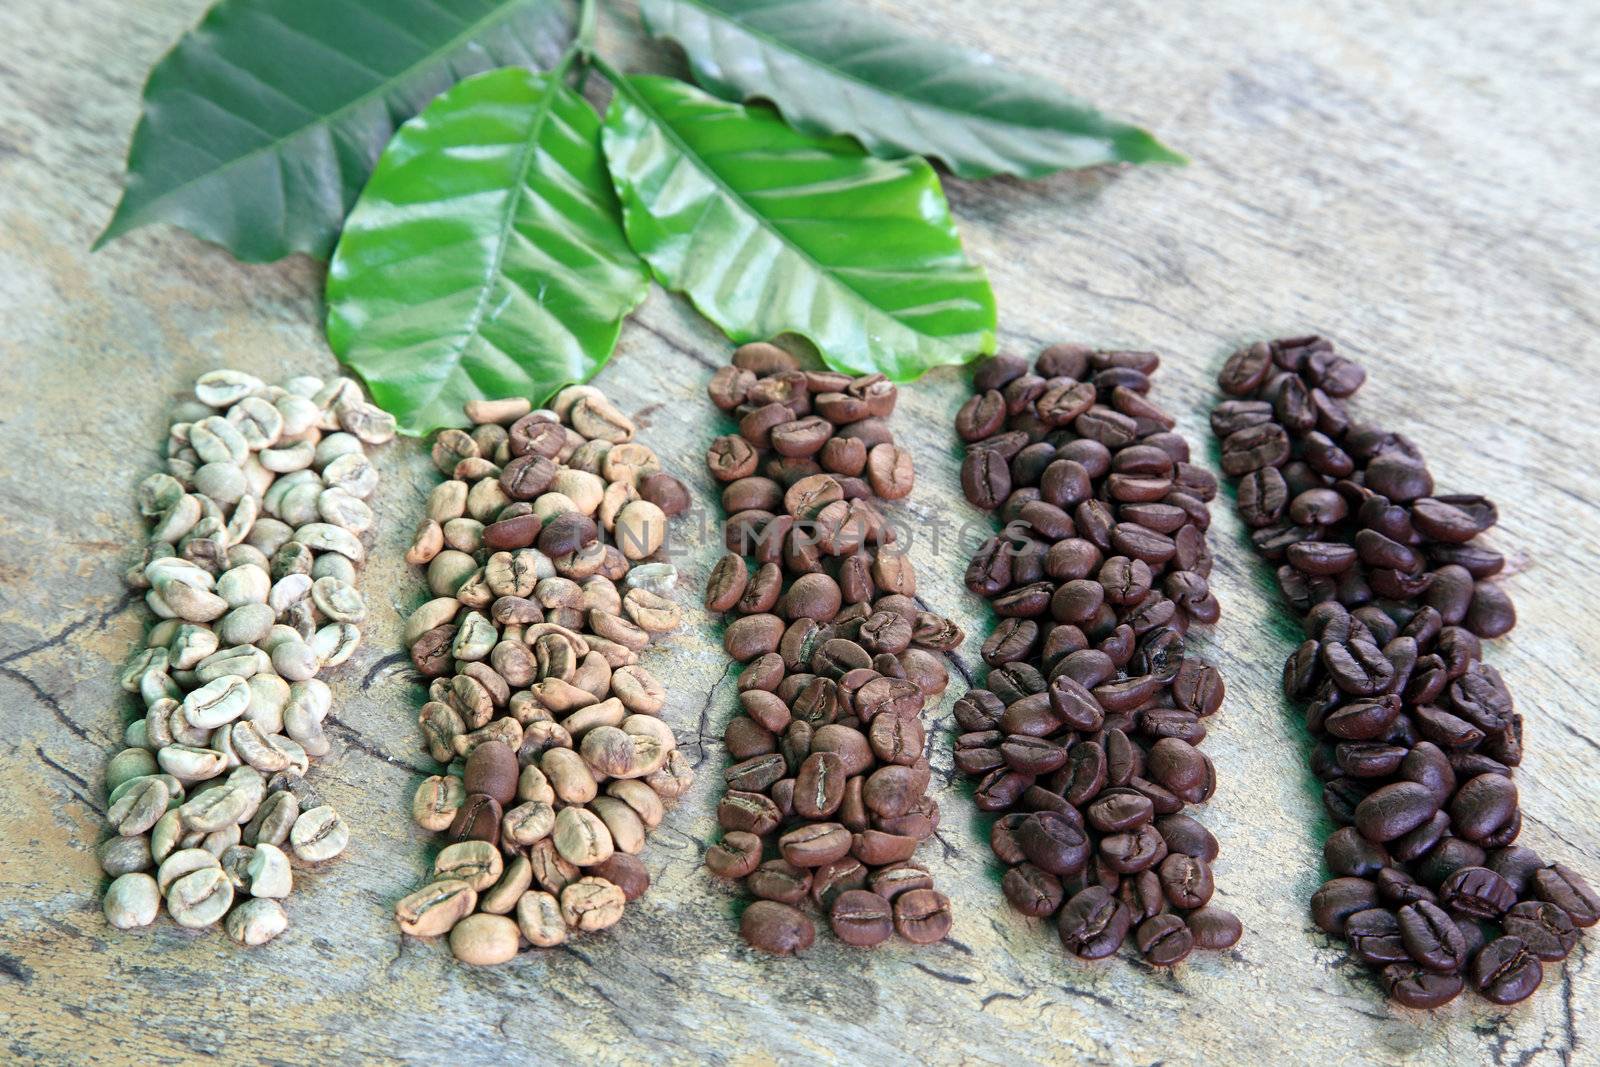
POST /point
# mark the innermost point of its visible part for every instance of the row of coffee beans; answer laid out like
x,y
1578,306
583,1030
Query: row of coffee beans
x,y
827,792
1085,741
1417,736
256,533
540,551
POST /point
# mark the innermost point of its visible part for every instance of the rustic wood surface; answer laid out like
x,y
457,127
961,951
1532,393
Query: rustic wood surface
x,y
1422,187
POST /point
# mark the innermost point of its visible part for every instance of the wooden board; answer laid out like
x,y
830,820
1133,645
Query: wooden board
x,y
1421,187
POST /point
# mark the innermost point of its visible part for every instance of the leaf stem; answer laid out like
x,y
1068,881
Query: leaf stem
x,y
618,81
588,24
581,50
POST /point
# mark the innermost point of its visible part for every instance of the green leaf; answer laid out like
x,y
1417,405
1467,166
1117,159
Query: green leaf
x,y
261,126
832,68
770,231
486,257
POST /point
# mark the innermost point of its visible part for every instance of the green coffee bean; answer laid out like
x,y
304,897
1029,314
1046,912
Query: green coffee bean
x,y
132,900
258,422
127,764
223,388
223,482
181,862
269,872
256,921
338,600
125,855
273,820
216,440
137,810
220,701
188,763
319,834
335,643
200,898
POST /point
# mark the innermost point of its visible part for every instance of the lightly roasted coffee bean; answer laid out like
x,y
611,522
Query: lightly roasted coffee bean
x,y
559,764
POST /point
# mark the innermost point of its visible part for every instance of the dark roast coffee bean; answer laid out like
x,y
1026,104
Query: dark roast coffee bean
x,y
1053,843
1482,806
1560,885
1430,937
1546,930
1416,987
1477,892
1374,937
1093,924
1505,972
1246,369
1340,898
1254,447
1394,810
1214,928
1164,940
1032,891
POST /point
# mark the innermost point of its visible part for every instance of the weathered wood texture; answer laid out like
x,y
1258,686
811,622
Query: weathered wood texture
x,y
1422,187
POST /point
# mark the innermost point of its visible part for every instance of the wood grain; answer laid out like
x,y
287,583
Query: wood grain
x,y
1418,181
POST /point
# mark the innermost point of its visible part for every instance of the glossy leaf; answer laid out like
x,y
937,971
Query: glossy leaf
x,y
770,231
831,67
262,125
486,257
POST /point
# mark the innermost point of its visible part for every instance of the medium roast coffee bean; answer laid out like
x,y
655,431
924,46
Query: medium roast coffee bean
x,y
1099,575
861,918
776,928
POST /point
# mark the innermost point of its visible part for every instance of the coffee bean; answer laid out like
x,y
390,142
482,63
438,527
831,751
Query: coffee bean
x,y
1414,987
985,478
777,928
1340,898
1214,928
922,916
1164,940
1431,938
1545,929
569,658
484,940
736,855
1478,892
1558,884
1093,923
1505,972
837,648
861,918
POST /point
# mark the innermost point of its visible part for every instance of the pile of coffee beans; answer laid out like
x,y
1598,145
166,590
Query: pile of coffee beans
x,y
258,527
541,553
1085,741
1416,735
827,791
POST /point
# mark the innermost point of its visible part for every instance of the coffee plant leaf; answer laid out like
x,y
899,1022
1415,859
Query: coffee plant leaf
x,y
831,67
261,126
486,257
770,231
